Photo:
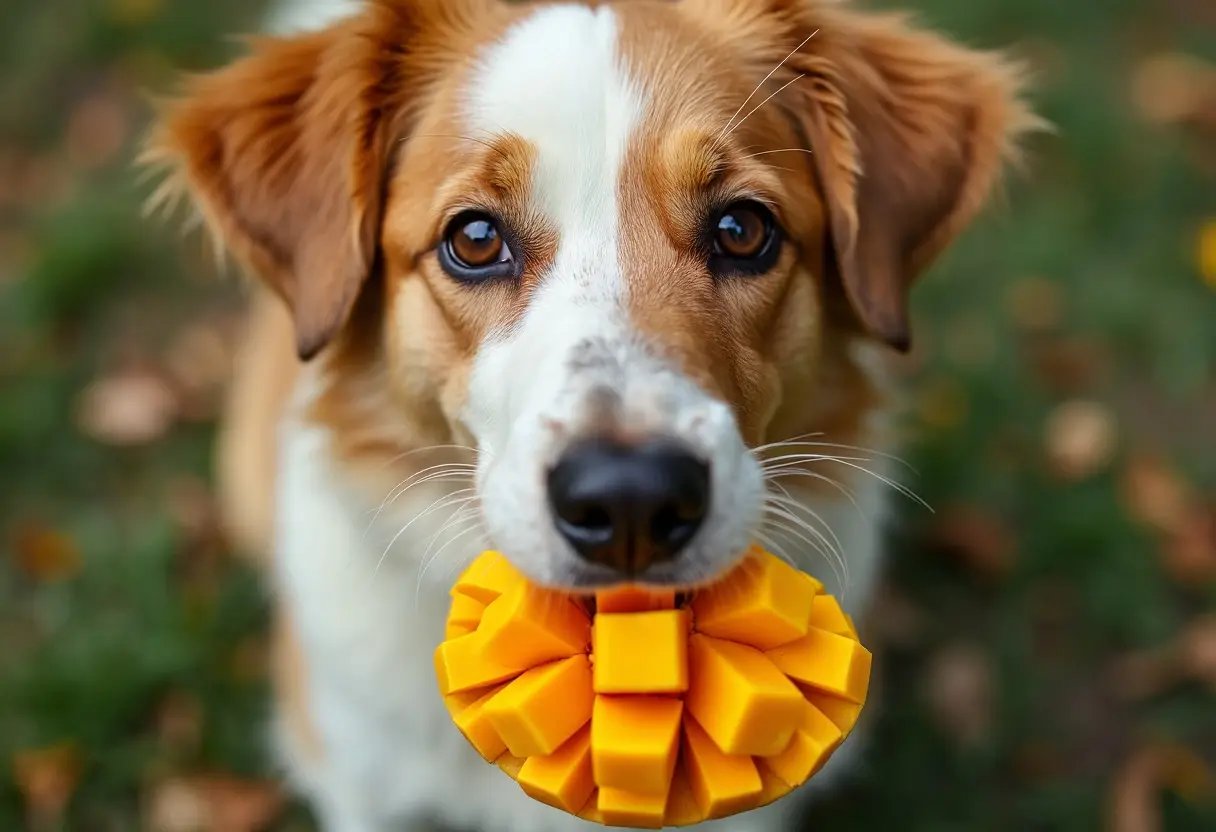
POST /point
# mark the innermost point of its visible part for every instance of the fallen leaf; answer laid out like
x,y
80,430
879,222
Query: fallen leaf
x,y
959,693
1080,437
1153,493
1189,554
979,539
1197,649
1134,804
45,554
130,408
1174,88
212,803
47,778
97,129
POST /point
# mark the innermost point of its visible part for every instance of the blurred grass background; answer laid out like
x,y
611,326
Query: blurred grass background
x,y
1048,635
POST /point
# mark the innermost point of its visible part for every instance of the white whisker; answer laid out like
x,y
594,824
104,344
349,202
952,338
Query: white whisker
x,y
771,73
793,80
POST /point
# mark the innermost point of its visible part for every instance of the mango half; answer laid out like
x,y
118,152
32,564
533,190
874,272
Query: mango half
x,y
638,711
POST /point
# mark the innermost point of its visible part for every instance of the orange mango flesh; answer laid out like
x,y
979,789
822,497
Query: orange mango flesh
x,y
769,605
722,784
634,742
630,598
646,714
740,697
562,779
829,662
542,708
813,742
526,626
487,577
641,652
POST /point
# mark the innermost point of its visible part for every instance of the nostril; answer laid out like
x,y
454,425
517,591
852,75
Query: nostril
x,y
627,506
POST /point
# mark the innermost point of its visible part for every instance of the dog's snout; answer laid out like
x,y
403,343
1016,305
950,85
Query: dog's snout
x,y
628,506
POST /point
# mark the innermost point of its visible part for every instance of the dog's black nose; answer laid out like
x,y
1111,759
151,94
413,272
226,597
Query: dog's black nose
x,y
628,506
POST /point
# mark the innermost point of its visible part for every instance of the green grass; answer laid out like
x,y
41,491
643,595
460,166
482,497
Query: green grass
x,y
152,611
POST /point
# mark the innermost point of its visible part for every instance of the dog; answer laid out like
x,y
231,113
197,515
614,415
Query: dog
x,y
611,287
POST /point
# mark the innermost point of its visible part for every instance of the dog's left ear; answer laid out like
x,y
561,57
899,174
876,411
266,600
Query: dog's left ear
x,y
909,134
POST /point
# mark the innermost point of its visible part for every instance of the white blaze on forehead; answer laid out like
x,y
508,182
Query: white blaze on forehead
x,y
555,80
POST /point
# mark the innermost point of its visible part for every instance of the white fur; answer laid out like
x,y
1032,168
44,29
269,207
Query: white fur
x,y
391,754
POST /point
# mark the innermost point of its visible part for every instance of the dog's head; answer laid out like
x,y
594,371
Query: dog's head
x,y
613,246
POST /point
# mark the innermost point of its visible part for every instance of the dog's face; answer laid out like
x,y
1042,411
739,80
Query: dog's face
x,y
597,243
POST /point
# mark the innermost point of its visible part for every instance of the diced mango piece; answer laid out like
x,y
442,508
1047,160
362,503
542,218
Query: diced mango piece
x,y
451,631
477,728
828,662
826,614
460,665
544,707
641,652
466,611
511,764
487,577
682,807
774,788
722,784
562,779
619,807
591,809
814,741
457,702
635,741
527,625
740,698
631,598
842,712
764,602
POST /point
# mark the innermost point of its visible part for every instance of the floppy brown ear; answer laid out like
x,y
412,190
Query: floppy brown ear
x,y
285,152
909,133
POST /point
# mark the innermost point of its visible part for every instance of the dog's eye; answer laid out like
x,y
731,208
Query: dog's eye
x,y
744,239
473,248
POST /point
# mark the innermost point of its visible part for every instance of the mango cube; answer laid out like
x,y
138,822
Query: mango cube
x,y
828,662
477,728
461,665
814,741
826,614
562,779
526,626
466,611
486,578
618,807
842,712
773,788
764,603
682,807
510,765
721,783
543,707
634,741
740,697
632,598
643,652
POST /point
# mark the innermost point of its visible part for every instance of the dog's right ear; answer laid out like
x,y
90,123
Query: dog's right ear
x,y
286,151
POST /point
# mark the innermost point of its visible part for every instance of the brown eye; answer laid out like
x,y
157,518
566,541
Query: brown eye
x,y
473,248
744,239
